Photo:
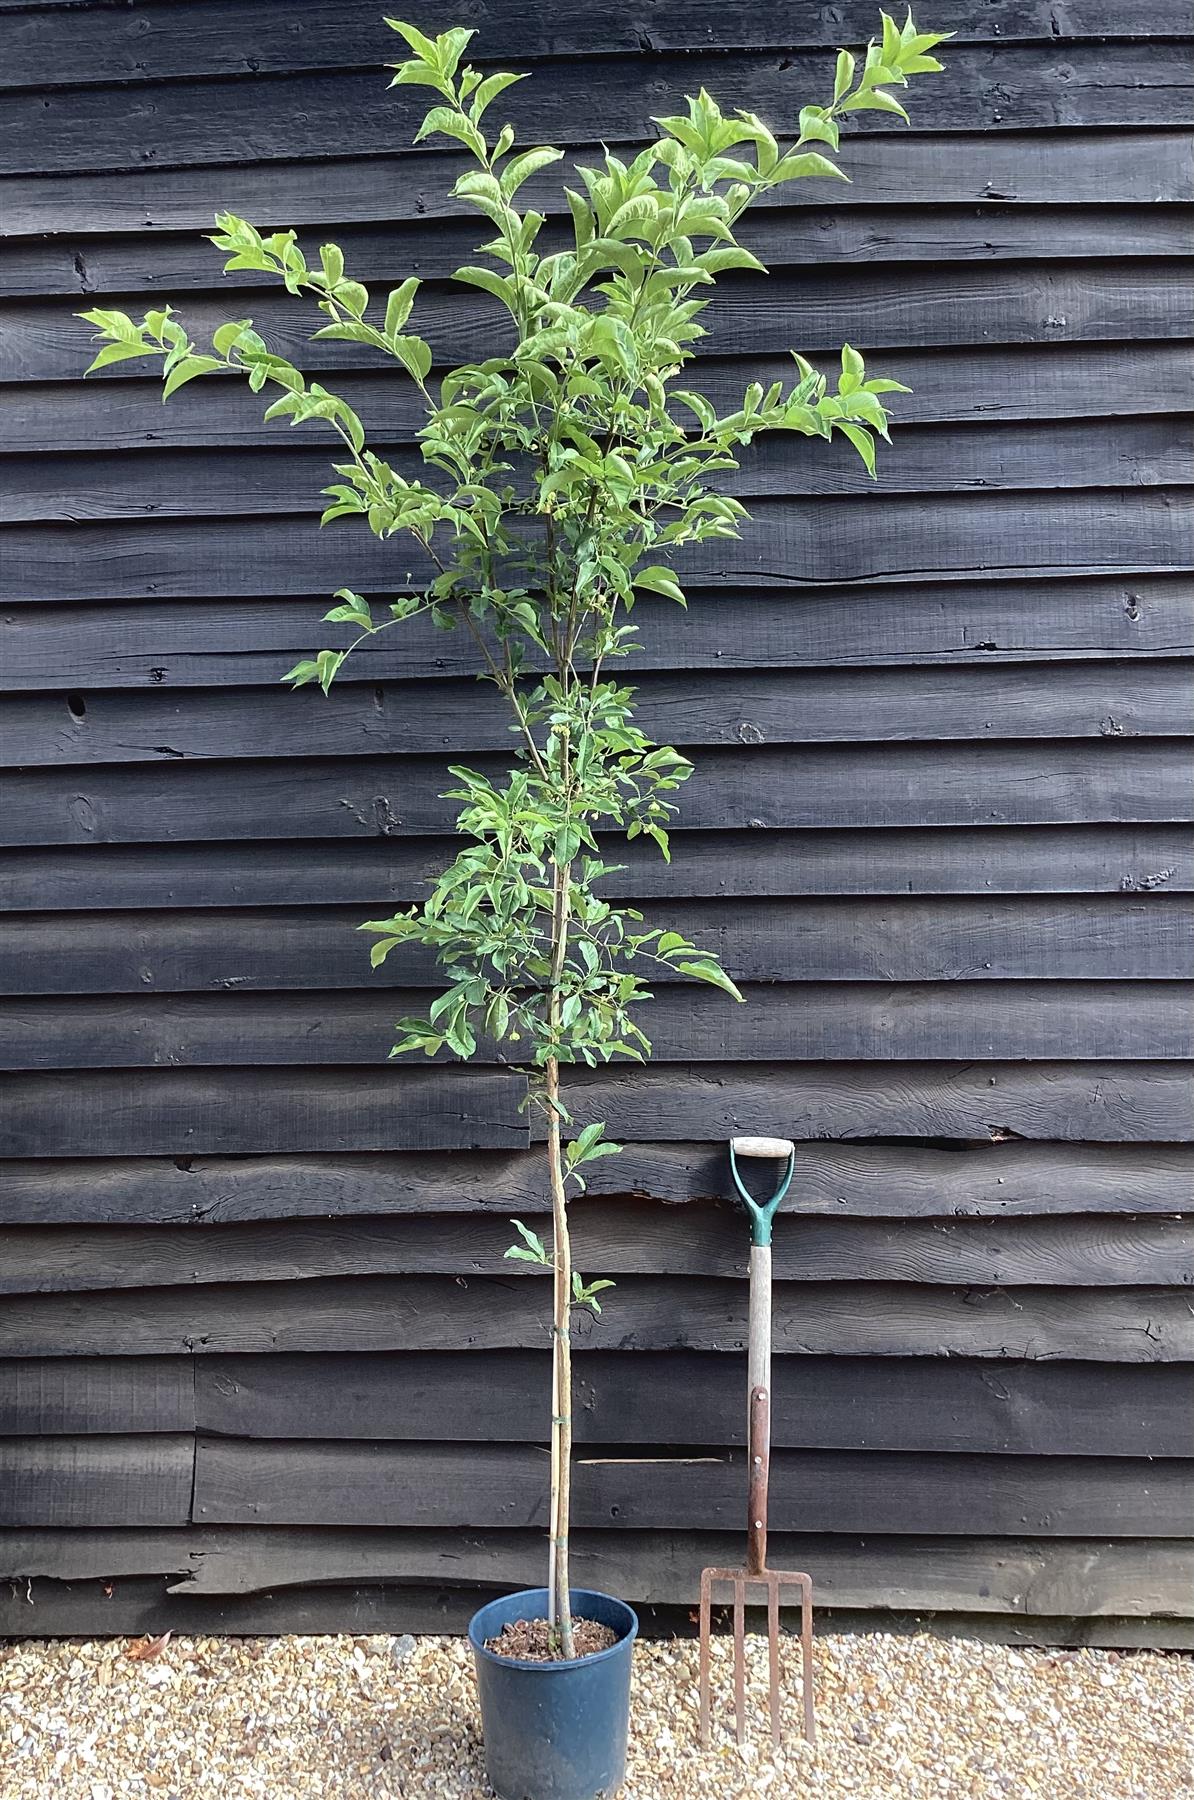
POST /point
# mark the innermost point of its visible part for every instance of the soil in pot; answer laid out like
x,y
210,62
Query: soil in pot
x,y
534,1640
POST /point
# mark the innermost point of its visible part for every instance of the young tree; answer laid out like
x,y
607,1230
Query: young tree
x,y
565,472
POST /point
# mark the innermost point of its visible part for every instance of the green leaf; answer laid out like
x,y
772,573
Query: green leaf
x,y
658,580
696,403
114,353
582,217
816,125
500,286
186,370
329,663
534,1251
732,256
487,93
331,259
399,304
450,124
414,355
844,72
867,407
521,168
423,47
863,442
710,972
225,336
874,100
351,615
799,165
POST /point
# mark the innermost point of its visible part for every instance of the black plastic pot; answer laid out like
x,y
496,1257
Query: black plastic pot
x,y
555,1731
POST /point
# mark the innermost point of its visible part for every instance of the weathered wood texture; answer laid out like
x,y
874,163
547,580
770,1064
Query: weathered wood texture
x,y
213,644
620,1237
838,1402
140,1605
1111,780
1060,169
1091,83
1119,859
1118,1577
940,830
1128,936
482,1313
990,1175
842,1021
309,1483
116,1480
73,1396
1149,699
968,386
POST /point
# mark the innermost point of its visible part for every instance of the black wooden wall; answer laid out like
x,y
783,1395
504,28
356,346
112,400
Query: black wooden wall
x,y
254,1308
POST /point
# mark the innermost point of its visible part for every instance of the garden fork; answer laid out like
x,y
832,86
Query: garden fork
x,y
758,1437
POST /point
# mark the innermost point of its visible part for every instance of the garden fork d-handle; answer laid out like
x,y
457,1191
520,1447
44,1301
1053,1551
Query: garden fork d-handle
x,y
761,1212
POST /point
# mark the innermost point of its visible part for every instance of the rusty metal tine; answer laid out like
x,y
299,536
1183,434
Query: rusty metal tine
x,y
706,1585
806,1658
773,1654
740,1658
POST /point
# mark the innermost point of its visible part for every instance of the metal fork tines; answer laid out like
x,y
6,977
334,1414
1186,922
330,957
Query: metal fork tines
x,y
773,1580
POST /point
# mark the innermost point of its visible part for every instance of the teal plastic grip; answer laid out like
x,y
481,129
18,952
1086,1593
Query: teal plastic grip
x,y
761,1213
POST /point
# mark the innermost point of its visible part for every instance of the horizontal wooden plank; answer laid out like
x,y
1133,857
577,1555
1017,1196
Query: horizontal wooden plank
x,y
163,484
618,1237
184,1113
373,875
694,1397
117,1480
144,1606
781,1022
1048,303
176,1114
230,120
881,539
983,167
1124,1102
971,386
166,41
280,1482
230,643
1080,700
781,237
96,1395
1092,938
688,1397
1109,780
992,1179
1133,1579
835,1180
160,1112
425,1312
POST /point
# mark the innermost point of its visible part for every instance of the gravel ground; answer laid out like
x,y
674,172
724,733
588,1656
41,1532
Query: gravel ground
x,y
902,1718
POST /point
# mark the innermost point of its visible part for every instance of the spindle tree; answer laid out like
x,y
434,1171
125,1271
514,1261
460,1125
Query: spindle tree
x,y
564,475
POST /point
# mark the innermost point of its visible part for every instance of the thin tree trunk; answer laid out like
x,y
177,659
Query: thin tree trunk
x,y
561,1425
562,1385
555,1478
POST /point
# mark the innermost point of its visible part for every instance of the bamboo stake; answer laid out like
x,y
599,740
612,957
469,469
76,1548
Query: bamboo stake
x,y
561,1432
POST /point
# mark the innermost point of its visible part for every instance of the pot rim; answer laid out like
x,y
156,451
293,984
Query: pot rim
x,y
560,1666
